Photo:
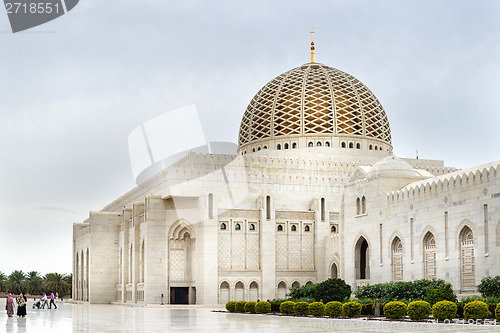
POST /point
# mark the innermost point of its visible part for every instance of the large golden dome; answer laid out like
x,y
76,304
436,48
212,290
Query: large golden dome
x,y
314,105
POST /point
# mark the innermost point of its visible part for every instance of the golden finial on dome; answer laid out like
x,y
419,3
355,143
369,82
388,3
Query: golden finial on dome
x,y
313,56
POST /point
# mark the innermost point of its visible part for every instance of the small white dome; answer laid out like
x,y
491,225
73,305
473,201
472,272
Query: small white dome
x,y
392,167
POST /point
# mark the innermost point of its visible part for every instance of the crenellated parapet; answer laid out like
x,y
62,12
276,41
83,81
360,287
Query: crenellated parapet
x,y
448,182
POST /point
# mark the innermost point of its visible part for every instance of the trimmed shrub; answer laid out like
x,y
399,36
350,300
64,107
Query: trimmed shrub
x,y
301,308
231,306
368,309
445,293
275,304
444,310
476,310
287,307
489,286
395,310
418,310
333,309
351,309
317,309
332,290
460,310
250,307
491,308
411,290
240,306
305,291
262,307
497,312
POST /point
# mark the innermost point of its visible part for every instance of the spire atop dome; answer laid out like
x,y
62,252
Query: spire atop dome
x,y
313,56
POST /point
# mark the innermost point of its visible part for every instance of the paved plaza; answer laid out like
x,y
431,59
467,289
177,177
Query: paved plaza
x,y
119,318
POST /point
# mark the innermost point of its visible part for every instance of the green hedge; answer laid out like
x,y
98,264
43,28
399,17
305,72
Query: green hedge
x,y
418,310
445,293
497,312
351,309
317,309
395,310
489,286
410,290
287,307
250,307
368,309
262,307
301,308
326,291
476,310
444,310
240,306
231,306
275,304
333,309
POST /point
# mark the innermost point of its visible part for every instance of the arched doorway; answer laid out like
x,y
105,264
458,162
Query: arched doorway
x,y
180,264
467,258
429,256
361,259
295,284
224,293
253,292
239,291
334,271
281,290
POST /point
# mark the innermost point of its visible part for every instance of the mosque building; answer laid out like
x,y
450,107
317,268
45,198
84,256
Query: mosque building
x,y
314,191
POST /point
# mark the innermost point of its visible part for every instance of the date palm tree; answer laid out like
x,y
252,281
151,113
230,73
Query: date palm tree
x,y
55,282
16,282
34,283
3,282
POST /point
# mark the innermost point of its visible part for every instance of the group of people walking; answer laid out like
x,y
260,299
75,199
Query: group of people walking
x,y
21,304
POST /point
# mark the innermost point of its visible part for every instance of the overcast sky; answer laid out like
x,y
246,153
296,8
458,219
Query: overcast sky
x,y
72,90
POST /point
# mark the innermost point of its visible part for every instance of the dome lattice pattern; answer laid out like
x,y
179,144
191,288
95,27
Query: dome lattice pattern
x,y
314,99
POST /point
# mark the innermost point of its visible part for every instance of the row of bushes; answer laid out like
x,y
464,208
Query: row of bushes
x,y
326,291
416,310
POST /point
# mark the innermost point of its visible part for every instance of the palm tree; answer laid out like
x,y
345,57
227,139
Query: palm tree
x,y
3,282
34,283
69,279
16,282
56,282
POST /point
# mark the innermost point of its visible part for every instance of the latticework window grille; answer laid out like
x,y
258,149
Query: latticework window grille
x,y
314,99
397,260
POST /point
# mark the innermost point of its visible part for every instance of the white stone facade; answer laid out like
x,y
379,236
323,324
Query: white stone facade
x,y
213,228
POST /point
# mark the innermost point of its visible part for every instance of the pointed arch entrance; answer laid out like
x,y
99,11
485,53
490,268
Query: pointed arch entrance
x,y
429,256
362,259
467,258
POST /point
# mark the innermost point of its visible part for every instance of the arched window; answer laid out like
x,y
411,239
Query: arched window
x,y
334,271
370,147
280,227
322,209
363,205
467,259
253,150
258,149
351,145
223,226
376,148
333,228
251,226
210,205
294,145
397,259
327,144
429,256
318,144
358,206
310,144
286,145
307,228
379,148
265,147
342,144
358,145
278,147
237,226
294,228
268,207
